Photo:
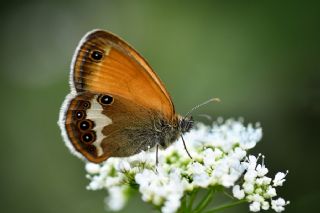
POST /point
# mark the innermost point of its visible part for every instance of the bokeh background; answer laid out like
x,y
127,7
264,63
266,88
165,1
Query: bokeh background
x,y
261,58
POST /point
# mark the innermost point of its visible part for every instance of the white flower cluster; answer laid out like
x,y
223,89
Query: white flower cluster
x,y
259,189
219,159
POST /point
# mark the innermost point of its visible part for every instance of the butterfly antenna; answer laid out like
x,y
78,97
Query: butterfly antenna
x,y
185,147
202,104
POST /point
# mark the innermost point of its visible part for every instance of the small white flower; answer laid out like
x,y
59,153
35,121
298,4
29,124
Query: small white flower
x,y
259,181
248,187
97,182
265,205
261,170
144,178
237,192
266,180
113,181
271,192
255,206
209,158
279,178
250,176
278,205
92,168
197,168
252,162
200,176
239,153
201,180
124,166
170,206
217,154
116,199
257,198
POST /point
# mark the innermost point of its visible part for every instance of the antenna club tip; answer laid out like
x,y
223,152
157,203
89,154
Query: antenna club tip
x,y
215,99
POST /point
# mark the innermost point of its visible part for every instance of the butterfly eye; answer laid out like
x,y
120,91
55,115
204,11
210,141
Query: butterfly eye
x,y
85,125
96,55
105,99
80,114
88,137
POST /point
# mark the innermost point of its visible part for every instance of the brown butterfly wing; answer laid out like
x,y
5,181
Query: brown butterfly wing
x,y
104,63
117,129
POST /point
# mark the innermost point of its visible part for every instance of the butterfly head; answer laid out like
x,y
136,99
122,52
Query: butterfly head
x,y
185,124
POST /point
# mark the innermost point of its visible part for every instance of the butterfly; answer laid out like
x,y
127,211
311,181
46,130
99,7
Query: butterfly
x,y
117,106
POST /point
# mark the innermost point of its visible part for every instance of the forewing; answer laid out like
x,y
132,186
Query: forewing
x,y
104,63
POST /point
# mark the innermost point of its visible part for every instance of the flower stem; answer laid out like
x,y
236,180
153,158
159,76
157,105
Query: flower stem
x,y
225,206
192,198
228,195
205,201
184,204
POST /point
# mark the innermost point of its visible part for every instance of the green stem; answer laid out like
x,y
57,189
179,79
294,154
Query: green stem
x,y
228,195
191,200
229,205
205,201
184,204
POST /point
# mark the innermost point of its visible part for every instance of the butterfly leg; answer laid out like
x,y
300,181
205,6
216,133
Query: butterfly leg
x,y
157,155
185,147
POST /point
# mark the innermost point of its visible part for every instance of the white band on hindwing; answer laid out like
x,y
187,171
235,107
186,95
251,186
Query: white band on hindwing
x,y
94,113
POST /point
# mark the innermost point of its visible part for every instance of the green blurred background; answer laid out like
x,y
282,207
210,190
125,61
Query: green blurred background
x,y
260,58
